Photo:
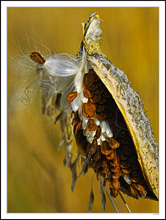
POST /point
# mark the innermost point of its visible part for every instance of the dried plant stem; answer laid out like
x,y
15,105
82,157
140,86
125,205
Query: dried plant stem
x,y
109,196
116,203
124,201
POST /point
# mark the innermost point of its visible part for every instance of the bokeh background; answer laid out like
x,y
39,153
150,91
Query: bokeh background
x,y
38,181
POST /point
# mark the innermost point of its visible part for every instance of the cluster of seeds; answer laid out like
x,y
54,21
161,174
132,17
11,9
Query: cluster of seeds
x,y
102,135
101,131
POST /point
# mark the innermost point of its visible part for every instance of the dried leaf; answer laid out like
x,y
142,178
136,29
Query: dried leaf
x,y
84,168
68,153
103,197
91,200
61,143
85,164
74,174
58,117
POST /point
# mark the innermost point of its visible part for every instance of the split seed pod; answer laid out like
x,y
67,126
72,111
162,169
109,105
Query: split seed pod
x,y
128,102
106,115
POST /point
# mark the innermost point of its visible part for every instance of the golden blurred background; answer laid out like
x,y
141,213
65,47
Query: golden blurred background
x,y
37,179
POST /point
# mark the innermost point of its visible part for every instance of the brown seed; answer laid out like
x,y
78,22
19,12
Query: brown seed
x,y
141,190
101,115
36,57
135,173
135,167
115,169
91,125
100,108
98,91
126,171
142,182
95,143
87,93
127,147
86,81
124,164
95,98
138,187
116,175
126,152
98,132
121,155
115,161
135,179
97,155
77,127
91,149
133,191
103,163
143,193
113,143
105,170
94,86
115,183
93,76
88,110
105,149
102,101
116,164
75,120
114,192
111,155
71,96
134,160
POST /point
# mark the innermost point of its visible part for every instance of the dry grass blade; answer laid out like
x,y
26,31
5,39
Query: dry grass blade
x,y
91,200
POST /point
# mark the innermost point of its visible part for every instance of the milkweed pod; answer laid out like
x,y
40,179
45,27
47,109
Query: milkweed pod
x,y
95,92
128,102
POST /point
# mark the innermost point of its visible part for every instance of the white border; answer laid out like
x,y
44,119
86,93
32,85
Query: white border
x,y
82,4
4,6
